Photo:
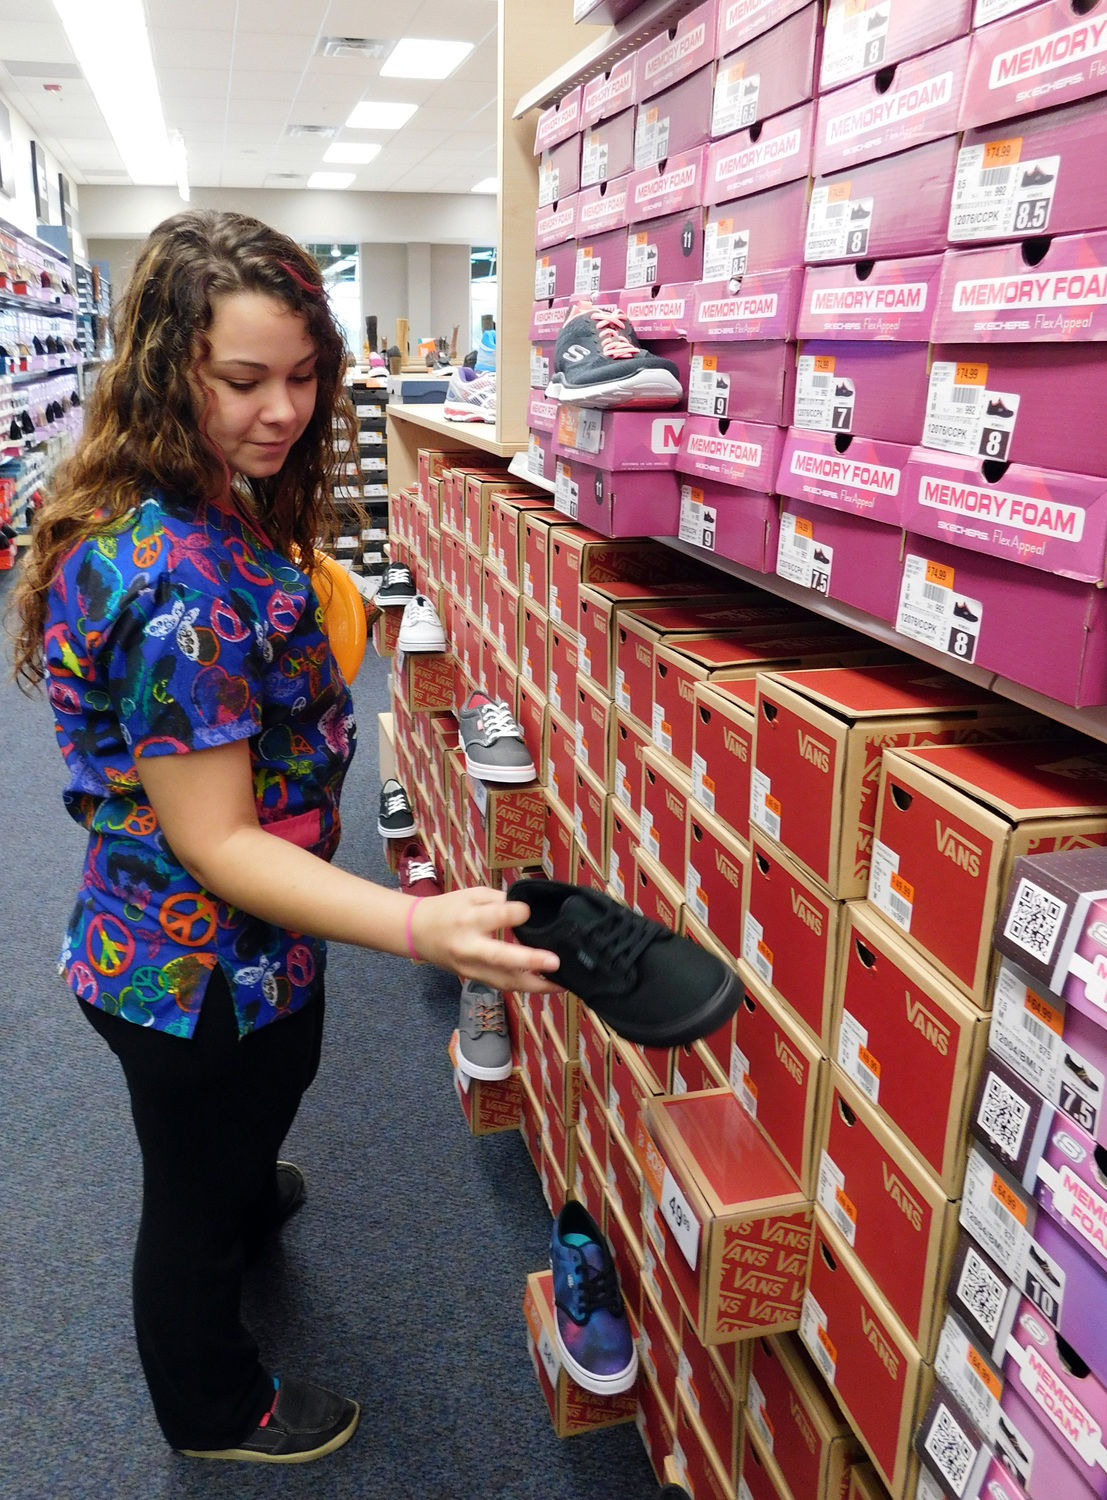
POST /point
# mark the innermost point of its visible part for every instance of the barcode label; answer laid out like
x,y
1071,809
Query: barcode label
x,y
1035,920
1003,1115
981,1291
819,382
835,210
995,177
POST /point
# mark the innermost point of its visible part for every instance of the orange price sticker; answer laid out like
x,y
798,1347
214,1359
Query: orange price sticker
x,y
701,895
709,362
666,727
967,374
697,496
649,1159
1041,1010
902,887
984,1375
749,1084
940,574
869,1060
839,193
708,783
651,115
765,951
736,70
773,804
585,251
824,362
1003,153
1010,1200
641,239
567,420
725,226
846,1205
824,1339
804,527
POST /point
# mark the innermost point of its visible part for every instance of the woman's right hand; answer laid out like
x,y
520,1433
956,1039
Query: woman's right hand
x,y
458,931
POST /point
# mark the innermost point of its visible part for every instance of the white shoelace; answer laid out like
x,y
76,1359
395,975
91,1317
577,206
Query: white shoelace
x,y
497,721
424,870
395,573
394,802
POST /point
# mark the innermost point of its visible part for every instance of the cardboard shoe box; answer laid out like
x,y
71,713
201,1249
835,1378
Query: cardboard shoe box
x,y
730,1224
729,522
841,556
676,119
1050,54
950,821
861,38
861,386
761,155
722,750
770,73
572,1409
895,300
893,205
795,1420
754,381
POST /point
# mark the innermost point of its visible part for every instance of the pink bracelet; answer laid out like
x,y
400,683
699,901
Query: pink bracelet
x,y
407,932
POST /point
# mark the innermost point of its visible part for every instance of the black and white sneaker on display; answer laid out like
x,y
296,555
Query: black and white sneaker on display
x,y
599,362
397,585
395,819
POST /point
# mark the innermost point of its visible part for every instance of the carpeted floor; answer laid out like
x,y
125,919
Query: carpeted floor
x,y
400,1283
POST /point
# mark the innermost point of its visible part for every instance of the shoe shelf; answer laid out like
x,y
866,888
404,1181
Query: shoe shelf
x,y
409,426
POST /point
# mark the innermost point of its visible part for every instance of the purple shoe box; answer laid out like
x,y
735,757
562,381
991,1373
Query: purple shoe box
x,y
760,305
997,295
541,461
863,120
679,119
607,149
741,20
862,39
745,454
894,205
546,317
556,223
1043,174
541,413
737,524
761,156
858,475
626,441
1041,518
618,504
558,122
555,270
679,352
603,207
752,381
660,312
610,93
559,171
672,186
761,232
843,556
896,299
862,386
601,265
678,51
662,251
1042,57
772,73
541,363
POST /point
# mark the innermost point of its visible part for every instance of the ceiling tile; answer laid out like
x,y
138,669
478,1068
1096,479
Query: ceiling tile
x,y
282,17
214,15
265,50
188,85
264,85
175,47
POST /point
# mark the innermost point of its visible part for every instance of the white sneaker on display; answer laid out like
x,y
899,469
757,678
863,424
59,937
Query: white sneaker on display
x,y
420,627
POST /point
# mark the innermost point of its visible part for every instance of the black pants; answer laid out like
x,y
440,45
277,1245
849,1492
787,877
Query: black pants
x,y
210,1113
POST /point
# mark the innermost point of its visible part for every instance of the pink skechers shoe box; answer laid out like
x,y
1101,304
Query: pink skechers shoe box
x,y
878,389
555,270
669,187
1039,629
1045,173
558,122
1010,402
763,232
556,223
541,461
741,20
739,453
895,205
610,93
678,119
601,264
665,250
679,351
986,11
864,119
559,172
1041,518
998,295
626,441
737,524
615,504
678,51
761,305
603,207
894,299
773,72
861,38
607,149
1042,57
754,381
541,414
603,10
546,317
853,474
660,312
541,362
851,558
762,156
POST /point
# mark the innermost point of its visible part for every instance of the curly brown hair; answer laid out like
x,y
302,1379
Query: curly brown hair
x,y
141,431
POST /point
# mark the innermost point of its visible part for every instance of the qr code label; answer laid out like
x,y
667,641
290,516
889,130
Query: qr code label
x,y
981,1292
1003,1117
1034,921
950,1450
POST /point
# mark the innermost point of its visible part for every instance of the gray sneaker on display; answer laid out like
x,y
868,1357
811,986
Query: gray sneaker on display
x,y
483,1043
493,741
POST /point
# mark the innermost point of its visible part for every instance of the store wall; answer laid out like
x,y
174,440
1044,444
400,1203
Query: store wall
x,y
19,208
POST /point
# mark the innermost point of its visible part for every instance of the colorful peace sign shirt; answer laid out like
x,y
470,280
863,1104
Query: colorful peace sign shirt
x,y
166,634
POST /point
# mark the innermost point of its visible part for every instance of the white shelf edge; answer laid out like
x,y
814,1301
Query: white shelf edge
x,y
518,467
1089,721
604,50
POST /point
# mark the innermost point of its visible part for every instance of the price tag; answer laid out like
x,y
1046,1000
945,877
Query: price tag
x,y
800,558
703,787
932,611
854,1057
651,137
831,1194
699,522
641,260
997,194
549,180
837,226
812,1331
735,102
566,493
661,729
764,807
854,42
593,159
888,891
824,399
741,1084
995,1216
677,1213
726,250
963,415
708,390
755,950
539,370
694,893
545,278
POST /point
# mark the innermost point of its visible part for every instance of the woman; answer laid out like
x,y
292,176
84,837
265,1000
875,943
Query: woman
x,y
167,600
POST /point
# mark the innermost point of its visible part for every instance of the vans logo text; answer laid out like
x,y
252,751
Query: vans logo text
x,y
813,750
899,1195
736,744
809,915
882,1349
925,1022
788,1058
956,847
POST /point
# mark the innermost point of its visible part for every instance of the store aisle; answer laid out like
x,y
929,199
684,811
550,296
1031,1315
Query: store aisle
x,y
401,1281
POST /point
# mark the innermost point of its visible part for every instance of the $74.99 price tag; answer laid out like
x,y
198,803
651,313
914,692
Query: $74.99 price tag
x,y
680,1218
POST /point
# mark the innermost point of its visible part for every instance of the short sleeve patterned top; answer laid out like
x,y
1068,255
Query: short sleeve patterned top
x,y
167,633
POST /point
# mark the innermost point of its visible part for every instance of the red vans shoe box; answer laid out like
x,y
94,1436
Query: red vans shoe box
x,y
623,837
860,558
879,1378
699,1467
633,1075
1044,56
711,1395
759,1474
916,1062
595,729
562,668
820,737
559,1137
591,1117
666,793
531,710
950,822
623,1175
792,1418
489,1107
722,750
631,742
716,868
654,1428
560,1071
507,533
739,1263
694,1066
656,894
560,768
853,47
557,838
590,824
579,556
530,1125
505,825
572,1409
716,1049
658,1351
535,645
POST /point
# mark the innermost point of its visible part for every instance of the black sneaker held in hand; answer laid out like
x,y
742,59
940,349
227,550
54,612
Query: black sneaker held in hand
x,y
648,984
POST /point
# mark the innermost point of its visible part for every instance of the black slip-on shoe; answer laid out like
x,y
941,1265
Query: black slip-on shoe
x,y
305,1422
648,984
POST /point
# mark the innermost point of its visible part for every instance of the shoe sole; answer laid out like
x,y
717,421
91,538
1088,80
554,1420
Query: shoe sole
x,y
389,599
408,647
645,388
483,1075
702,1022
457,415
247,1455
599,1385
512,774
398,833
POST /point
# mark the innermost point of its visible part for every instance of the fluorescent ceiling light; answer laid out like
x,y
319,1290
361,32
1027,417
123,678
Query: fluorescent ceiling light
x,y
486,185
419,57
331,179
352,153
376,114
112,48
